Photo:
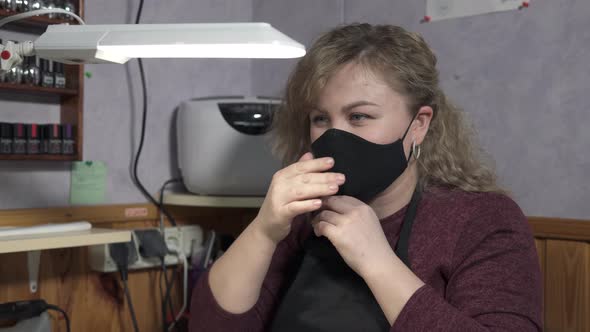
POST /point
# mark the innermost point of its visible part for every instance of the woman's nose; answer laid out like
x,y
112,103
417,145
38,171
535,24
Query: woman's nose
x,y
339,124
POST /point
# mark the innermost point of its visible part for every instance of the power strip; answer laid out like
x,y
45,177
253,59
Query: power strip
x,y
185,237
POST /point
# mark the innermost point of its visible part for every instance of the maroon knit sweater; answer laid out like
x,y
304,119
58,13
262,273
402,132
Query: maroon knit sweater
x,y
474,251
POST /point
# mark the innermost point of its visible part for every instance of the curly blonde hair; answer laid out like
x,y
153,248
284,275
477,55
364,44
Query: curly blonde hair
x,y
449,155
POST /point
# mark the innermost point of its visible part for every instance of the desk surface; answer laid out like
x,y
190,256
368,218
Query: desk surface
x,y
188,199
63,240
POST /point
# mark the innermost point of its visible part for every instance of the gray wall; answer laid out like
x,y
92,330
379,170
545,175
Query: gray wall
x,y
112,107
522,76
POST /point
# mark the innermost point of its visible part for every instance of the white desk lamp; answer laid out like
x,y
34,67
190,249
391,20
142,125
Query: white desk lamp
x,y
117,43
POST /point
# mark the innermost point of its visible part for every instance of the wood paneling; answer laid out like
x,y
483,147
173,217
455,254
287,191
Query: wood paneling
x,y
567,286
92,214
541,252
540,244
230,221
558,228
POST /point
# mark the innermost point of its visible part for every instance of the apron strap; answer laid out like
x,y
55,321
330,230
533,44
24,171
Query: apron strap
x,y
401,248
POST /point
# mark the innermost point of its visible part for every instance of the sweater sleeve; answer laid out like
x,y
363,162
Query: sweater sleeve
x,y
207,315
494,283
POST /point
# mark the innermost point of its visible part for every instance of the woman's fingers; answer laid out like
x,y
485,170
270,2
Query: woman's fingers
x,y
300,207
306,166
306,156
321,178
324,228
299,192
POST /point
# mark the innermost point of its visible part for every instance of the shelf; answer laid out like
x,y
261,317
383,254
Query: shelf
x,y
188,199
70,99
30,89
50,157
63,240
37,22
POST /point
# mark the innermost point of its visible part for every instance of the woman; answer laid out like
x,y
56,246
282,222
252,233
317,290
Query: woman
x,y
385,218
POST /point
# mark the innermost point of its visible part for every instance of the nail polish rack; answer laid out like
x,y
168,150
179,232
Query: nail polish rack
x,y
70,96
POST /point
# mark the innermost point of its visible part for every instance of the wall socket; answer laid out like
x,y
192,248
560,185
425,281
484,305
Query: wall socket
x,y
182,237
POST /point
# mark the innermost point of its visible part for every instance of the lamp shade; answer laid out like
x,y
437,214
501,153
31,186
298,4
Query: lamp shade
x,y
119,43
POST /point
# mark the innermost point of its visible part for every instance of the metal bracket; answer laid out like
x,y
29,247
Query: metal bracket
x,y
33,260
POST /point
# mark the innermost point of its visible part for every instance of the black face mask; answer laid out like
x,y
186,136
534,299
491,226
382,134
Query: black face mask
x,y
369,167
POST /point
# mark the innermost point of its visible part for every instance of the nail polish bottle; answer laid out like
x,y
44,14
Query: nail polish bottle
x,y
5,138
69,6
11,5
54,135
31,72
14,75
67,134
21,5
59,77
36,4
49,4
2,73
47,79
19,143
44,137
33,139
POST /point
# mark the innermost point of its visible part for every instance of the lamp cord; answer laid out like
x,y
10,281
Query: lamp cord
x,y
38,12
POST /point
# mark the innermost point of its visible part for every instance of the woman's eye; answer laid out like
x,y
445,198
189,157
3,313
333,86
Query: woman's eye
x,y
358,117
319,118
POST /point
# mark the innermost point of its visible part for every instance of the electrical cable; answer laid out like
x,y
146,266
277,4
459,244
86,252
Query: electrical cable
x,y
167,299
139,10
26,309
137,180
168,284
63,312
167,296
130,303
182,257
37,12
135,174
161,203
119,252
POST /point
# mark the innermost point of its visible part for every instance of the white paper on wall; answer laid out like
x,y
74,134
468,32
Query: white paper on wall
x,y
444,9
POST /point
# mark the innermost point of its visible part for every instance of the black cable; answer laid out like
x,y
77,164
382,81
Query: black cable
x,y
130,303
136,179
56,308
139,9
166,300
26,309
119,252
161,202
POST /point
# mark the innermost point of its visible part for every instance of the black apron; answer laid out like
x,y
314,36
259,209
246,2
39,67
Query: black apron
x,y
327,295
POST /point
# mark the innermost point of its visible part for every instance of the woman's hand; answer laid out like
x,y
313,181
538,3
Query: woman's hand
x,y
354,229
296,190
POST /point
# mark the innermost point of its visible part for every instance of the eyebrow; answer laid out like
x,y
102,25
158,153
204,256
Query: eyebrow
x,y
348,107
